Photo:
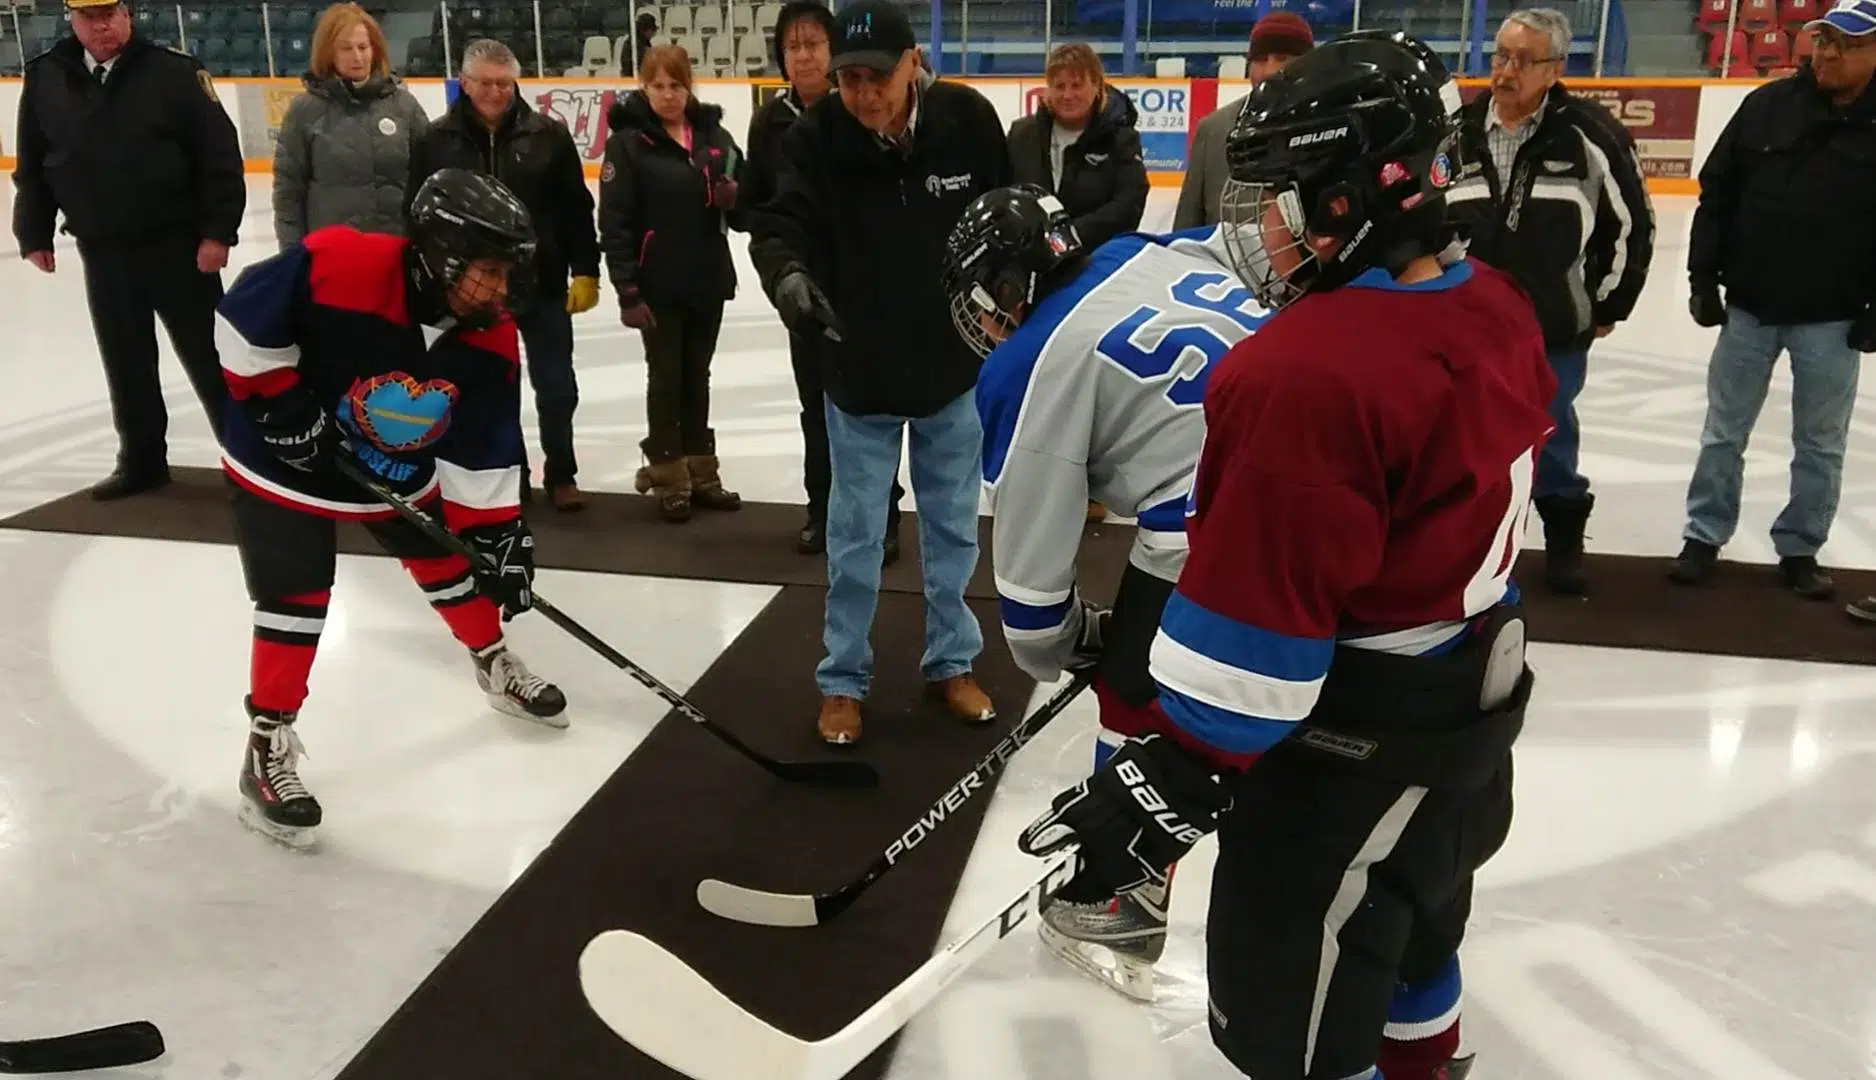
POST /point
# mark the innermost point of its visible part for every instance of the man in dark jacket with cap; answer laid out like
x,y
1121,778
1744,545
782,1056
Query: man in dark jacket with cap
x,y
849,249
1277,39
804,33
130,141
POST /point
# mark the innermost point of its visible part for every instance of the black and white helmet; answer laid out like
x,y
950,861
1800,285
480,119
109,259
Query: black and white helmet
x,y
1001,253
459,216
1354,141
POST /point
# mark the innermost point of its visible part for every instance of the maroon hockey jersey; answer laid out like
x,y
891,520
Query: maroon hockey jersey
x,y
1366,480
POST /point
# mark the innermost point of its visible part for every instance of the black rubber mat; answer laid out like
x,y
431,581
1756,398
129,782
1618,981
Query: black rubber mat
x,y
505,1004
1632,604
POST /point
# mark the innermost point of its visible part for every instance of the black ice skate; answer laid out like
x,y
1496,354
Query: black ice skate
x,y
515,690
274,802
1117,940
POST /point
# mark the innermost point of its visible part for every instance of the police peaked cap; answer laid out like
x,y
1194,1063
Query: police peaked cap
x,y
791,11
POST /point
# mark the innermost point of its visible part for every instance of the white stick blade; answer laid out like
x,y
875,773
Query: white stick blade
x,y
670,1013
743,905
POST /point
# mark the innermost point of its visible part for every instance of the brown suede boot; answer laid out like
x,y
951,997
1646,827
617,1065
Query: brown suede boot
x,y
706,485
670,482
964,699
566,497
840,720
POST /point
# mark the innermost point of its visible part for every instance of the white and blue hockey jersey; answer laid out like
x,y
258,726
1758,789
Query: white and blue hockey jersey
x,y
1098,396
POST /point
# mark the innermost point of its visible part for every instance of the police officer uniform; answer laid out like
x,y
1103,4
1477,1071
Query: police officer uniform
x,y
144,163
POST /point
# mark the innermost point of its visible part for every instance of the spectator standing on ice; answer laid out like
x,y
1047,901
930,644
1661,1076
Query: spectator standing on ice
x,y
1552,193
342,156
1276,39
1782,258
130,142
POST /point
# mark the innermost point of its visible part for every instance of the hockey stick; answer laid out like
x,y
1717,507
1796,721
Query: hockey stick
x,y
100,1048
802,909
844,774
667,1011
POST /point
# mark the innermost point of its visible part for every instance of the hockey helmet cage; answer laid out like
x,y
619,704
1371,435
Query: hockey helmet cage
x,y
999,258
458,217
1357,141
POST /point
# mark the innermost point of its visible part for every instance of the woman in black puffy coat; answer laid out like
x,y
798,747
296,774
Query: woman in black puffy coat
x,y
1081,145
667,193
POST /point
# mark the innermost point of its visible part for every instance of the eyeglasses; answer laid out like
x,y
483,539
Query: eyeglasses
x,y
1517,61
1831,39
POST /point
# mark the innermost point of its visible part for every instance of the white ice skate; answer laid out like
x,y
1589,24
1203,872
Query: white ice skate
x,y
1116,941
515,690
274,801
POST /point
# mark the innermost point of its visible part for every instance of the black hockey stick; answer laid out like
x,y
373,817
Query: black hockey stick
x,y
843,774
803,909
100,1048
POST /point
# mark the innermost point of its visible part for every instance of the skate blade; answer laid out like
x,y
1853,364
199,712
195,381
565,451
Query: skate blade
x,y
1131,978
502,703
296,837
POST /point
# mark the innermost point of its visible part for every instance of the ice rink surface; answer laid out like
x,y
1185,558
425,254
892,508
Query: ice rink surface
x,y
1689,892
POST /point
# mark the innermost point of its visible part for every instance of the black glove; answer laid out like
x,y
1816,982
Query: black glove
x,y
1137,815
804,308
1706,306
296,428
509,579
1092,639
1863,332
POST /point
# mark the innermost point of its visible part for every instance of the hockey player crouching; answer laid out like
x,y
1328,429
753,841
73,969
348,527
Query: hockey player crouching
x,y
1341,667
1093,391
402,354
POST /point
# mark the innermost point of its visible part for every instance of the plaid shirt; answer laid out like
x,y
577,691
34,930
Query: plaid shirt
x,y
1505,142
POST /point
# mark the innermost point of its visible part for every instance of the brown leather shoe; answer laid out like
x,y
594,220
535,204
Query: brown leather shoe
x,y
840,720
567,497
1096,512
966,700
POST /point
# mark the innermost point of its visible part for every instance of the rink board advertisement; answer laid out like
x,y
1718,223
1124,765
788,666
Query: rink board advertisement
x,y
1662,120
1674,123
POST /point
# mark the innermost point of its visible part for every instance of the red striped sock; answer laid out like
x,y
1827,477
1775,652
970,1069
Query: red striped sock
x,y
286,638
1419,1059
450,587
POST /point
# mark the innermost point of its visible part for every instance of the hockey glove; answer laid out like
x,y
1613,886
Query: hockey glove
x,y
1706,306
1137,815
296,428
1092,638
508,577
804,308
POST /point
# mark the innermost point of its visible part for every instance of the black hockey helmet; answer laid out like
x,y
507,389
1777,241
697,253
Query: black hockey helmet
x,y
1355,141
1001,253
460,216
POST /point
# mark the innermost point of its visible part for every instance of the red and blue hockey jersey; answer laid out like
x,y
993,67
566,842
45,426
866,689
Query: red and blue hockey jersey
x,y
1365,482
430,411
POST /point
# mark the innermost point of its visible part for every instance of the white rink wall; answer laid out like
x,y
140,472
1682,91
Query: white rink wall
x,y
1675,122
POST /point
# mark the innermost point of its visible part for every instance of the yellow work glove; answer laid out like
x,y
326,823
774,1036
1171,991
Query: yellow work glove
x,y
582,294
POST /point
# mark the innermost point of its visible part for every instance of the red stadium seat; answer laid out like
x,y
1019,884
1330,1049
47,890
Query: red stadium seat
x,y
1757,16
1769,49
1793,14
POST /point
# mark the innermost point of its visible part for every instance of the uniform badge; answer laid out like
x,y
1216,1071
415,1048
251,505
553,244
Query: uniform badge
x,y
1442,173
396,413
387,126
208,84
607,172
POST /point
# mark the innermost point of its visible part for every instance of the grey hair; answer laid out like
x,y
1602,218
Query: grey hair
x,y
1549,22
491,52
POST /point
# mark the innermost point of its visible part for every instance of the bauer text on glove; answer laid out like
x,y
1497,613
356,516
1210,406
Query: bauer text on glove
x,y
296,428
1134,817
505,574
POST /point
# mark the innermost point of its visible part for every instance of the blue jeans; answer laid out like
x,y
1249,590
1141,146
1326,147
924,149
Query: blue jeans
x,y
547,331
947,475
1556,464
1824,371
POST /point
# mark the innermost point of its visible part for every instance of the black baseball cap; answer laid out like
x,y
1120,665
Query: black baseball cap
x,y
872,34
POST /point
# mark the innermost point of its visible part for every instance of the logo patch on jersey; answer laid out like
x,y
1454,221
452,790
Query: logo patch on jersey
x,y
1442,171
396,413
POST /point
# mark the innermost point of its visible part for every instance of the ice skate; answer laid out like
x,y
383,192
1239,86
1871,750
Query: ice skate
x,y
274,801
515,690
1115,939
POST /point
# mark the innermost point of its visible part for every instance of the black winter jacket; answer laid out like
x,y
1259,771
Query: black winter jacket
x,y
1104,183
536,158
766,128
659,224
1787,215
869,223
1578,169
150,150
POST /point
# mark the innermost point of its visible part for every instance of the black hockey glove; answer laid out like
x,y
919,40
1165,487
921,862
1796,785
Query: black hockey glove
x,y
1137,815
1706,306
509,581
804,308
1092,638
296,428
1863,332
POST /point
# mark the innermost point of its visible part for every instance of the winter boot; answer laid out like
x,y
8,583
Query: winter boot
x,y
1802,576
1564,519
274,801
1694,565
670,481
1081,921
706,485
515,690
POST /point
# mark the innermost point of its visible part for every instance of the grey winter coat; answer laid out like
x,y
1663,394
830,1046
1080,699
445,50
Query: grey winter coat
x,y
343,156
